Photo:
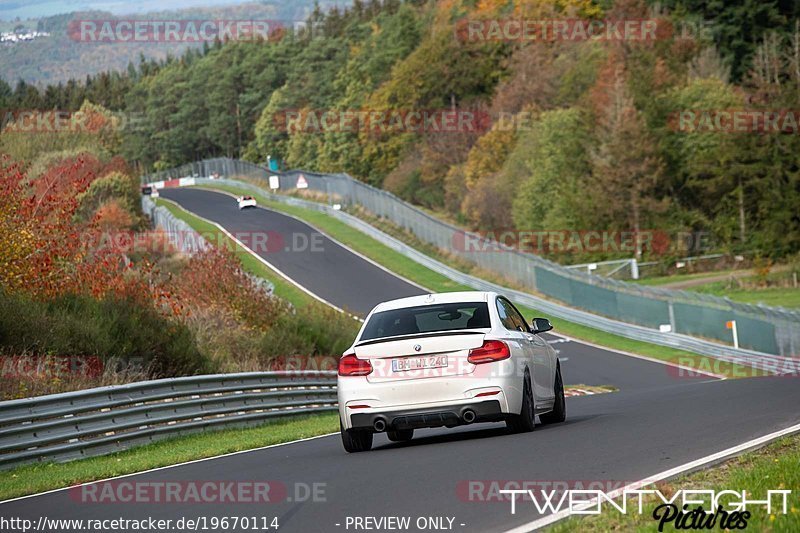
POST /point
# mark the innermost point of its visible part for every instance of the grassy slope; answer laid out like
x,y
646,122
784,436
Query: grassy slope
x,y
773,296
37,478
774,467
663,280
436,282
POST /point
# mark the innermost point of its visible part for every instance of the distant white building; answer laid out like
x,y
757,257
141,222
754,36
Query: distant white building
x,y
12,37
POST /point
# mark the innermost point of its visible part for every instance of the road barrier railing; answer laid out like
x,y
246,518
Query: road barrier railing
x,y
62,427
768,362
180,234
770,330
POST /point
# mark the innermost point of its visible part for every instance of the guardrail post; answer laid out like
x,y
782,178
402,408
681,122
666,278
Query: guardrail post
x,y
671,316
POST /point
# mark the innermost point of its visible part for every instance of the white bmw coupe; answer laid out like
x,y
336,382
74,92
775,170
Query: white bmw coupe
x,y
245,202
446,360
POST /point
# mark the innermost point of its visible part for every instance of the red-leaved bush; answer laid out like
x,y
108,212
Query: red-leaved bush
x,y
214,279
46,253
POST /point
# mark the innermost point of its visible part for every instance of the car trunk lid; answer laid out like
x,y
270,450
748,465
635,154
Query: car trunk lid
x,y
420,356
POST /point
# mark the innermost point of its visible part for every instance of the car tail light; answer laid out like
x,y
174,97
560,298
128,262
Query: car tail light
x,y
490,352
350,365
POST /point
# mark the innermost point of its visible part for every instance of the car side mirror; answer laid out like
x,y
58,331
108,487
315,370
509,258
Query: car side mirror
x,y
540,325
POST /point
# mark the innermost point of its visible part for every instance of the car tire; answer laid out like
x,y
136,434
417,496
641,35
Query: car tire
x,y
559,412
400,435
525,421
355,440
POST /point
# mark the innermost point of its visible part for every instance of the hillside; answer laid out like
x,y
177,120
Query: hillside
x,y
60,57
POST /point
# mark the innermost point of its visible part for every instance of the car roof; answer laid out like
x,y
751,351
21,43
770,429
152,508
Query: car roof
x,y
436,298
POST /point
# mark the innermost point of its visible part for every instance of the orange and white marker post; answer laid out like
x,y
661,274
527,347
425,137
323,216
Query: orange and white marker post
x,y
731,325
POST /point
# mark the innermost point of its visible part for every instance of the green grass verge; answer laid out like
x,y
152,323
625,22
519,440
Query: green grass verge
x,y
773,296
784,296
774,467
41,477
436,282
663,280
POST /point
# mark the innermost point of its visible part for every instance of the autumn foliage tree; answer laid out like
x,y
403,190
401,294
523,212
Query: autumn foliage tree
x,y
48,253
625,163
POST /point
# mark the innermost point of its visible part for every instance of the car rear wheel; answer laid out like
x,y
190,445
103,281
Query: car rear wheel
x,y
559,412
355,440
400,435
525,421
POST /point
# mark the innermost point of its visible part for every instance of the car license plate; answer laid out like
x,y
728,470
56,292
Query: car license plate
x,y
419,363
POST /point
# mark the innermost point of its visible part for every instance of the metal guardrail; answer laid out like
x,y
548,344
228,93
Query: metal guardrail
x,y
772,330
720,351
62,427
180,234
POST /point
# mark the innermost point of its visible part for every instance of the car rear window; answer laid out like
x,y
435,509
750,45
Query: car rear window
x,y
427,318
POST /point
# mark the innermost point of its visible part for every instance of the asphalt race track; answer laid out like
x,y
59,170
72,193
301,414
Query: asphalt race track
x,y
308,257
658,420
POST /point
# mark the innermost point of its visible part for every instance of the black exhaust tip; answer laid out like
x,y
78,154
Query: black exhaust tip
x,y
379,425
468,416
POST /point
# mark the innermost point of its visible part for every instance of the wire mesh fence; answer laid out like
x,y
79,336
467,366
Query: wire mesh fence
x,y
772,330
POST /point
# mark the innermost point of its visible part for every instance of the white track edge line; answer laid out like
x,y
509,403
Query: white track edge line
x,y
327,235
261,259
697,464
193,461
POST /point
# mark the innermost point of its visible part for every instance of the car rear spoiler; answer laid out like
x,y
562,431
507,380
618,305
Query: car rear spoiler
x,y
420,336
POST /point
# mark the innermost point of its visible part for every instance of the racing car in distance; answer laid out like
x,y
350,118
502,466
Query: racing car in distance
x,y
246,201
445,360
